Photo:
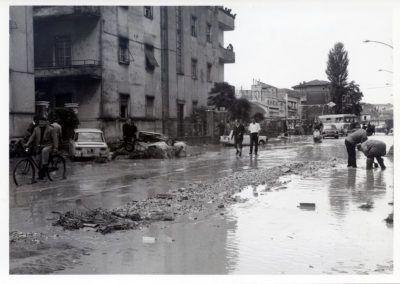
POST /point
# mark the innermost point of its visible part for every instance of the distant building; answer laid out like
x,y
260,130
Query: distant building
x,y
109,63
316,92
278,103
377,114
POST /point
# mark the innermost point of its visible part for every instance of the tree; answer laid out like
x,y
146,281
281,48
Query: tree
x,y
352,98
221,95
240,109
258,116
337,74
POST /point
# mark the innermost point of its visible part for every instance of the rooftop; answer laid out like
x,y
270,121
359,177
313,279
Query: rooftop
x,y
312,83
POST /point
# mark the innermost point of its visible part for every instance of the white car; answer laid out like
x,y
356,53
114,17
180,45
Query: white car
x,y
88,143
226,139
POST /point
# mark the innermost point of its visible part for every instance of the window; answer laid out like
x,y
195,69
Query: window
x,y
151,61
194,103
209,68
208,33
149,106
123,51
148,12
124,105
62,50
194,68
179,40
193,26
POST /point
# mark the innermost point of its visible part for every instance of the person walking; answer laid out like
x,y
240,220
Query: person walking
x,y
373,149
357,137
237,134
254,129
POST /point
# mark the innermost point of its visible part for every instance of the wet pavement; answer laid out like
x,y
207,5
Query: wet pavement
x,y
268,234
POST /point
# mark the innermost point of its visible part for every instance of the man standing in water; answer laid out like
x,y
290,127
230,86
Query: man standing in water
x,y
238,133
357,137
254,129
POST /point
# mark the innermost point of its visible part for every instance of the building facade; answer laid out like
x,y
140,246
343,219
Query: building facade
x,y
110,63
21,74
277,103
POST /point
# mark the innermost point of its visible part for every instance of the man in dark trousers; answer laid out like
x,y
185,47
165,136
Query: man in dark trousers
x,y
254,129
221,128
238,133
129,130
373,149
357,137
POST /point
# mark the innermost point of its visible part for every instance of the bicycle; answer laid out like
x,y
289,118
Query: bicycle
x,y
25,169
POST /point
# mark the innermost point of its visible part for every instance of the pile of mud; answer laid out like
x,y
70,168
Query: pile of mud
x,y
196,197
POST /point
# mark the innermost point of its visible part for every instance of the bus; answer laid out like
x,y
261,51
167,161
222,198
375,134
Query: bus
x,y
341,121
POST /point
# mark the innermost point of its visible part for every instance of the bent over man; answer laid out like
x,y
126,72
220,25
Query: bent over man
x,y
373,149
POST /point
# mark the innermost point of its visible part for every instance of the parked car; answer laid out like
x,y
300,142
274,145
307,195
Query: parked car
x,y
88,143
226,139
330,130
151,137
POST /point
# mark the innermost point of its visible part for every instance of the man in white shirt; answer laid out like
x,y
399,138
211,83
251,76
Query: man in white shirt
x,y
254,129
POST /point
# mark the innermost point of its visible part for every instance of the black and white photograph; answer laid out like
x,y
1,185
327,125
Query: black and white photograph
x,y
224,138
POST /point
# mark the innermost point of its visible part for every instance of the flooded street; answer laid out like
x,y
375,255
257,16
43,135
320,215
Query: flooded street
x,y
267,234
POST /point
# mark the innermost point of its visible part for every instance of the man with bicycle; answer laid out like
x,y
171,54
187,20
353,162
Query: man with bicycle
x,y
45,140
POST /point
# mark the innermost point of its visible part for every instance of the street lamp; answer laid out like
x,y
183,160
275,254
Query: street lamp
x,y
367,40
384,70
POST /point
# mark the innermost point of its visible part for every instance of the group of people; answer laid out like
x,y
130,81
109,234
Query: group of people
x,y
45,137
238,132
372,149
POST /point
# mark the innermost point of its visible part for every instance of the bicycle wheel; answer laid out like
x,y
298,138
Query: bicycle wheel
x,y
56,169
24,172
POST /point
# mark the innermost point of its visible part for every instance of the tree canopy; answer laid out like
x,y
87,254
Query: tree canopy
x,y
337,74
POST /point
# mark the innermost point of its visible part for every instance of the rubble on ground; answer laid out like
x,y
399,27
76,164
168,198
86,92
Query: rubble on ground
x,y
193,199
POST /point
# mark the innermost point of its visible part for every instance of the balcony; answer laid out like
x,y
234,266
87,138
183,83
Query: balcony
x,y
76,69
44,12
226,55
226,20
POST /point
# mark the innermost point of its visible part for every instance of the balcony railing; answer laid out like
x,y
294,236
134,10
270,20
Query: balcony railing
x,y
40,12
226,55
74,68
226,20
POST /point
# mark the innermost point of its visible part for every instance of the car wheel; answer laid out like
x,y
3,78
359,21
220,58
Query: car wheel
x,y
261,142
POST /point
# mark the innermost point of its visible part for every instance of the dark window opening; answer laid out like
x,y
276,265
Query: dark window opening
x,y
148,12
149,106
151,61
193,26
194,68
123,51
124,105
209,69
208,33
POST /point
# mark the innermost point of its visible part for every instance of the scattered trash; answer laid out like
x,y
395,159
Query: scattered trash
x,y
221,206
307,205
389,218
368,205
148,240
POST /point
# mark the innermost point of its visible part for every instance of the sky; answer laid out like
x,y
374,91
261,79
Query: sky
x,y
283,43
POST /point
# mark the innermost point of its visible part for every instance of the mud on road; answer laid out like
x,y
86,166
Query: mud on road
x,y
40,254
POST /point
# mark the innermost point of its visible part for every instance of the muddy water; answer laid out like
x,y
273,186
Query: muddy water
x,y
268,234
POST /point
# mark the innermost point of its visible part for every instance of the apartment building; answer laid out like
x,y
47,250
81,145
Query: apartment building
x,y
109,63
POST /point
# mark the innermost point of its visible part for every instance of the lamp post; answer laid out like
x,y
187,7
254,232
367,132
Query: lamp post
x,y
367,40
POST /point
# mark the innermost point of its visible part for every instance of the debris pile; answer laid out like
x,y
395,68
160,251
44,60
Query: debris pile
x,y
193,199
31,238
